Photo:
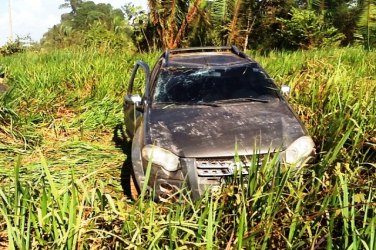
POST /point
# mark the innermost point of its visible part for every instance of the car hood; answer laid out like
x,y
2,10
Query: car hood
x,y
198,131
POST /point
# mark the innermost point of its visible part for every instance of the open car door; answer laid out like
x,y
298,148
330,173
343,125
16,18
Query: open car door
x,y
134,99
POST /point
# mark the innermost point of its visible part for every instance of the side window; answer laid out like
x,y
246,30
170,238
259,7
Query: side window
x,y
139,82
139,79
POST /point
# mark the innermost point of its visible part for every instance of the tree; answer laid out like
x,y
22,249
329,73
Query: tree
x,y
73,4
367,22
266,18
143,32
200,32
225,20
172,19
90,24
257,24
342,14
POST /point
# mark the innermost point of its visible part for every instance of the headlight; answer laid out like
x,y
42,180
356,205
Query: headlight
x,y
161,157
299,150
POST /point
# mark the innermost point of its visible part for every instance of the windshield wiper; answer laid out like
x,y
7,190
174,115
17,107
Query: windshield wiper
x,y
243,99
169,104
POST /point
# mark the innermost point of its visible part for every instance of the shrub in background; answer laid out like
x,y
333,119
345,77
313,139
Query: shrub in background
x,y
306,30
12,47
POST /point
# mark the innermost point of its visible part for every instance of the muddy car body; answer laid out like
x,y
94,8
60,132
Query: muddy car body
x,y
199,106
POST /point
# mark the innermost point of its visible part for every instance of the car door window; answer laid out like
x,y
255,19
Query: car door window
x,y
139,83
139,79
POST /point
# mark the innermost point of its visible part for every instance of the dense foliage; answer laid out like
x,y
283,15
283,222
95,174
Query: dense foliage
x,y
250,24
90,25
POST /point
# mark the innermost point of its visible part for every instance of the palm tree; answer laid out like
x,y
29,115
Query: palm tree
x,y
173,18
367,21
225,16
232,21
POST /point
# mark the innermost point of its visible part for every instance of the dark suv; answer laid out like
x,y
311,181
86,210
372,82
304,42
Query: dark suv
x,y
200,108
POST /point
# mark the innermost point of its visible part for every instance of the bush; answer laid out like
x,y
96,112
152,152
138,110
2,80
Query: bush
x,y
100,36
306,30
11,48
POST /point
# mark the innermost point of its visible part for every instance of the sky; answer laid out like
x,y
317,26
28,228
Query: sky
x,y
35,17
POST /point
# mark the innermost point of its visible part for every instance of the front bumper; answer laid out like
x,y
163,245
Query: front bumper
x,y
199,175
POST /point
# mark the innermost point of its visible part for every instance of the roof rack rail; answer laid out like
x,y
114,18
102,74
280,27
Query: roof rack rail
x,y
232,48
202,49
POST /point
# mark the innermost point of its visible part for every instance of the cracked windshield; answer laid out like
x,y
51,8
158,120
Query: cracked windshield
x,y
195,85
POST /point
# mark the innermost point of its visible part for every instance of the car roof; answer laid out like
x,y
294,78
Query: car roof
x,y
205,57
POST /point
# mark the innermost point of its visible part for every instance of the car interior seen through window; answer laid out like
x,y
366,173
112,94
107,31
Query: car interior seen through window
x,y
195,85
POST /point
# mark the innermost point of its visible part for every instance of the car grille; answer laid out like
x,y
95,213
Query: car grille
x,y
222,167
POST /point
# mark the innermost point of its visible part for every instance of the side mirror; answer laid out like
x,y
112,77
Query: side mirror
x,y
285,90
136,100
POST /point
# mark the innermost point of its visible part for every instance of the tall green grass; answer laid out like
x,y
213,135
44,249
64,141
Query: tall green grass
x,y
61,161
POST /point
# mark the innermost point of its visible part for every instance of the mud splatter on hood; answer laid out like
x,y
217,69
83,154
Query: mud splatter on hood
x,y
192,131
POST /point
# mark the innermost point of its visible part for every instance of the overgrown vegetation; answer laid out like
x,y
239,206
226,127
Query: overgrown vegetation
x,y
262,25
63,161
